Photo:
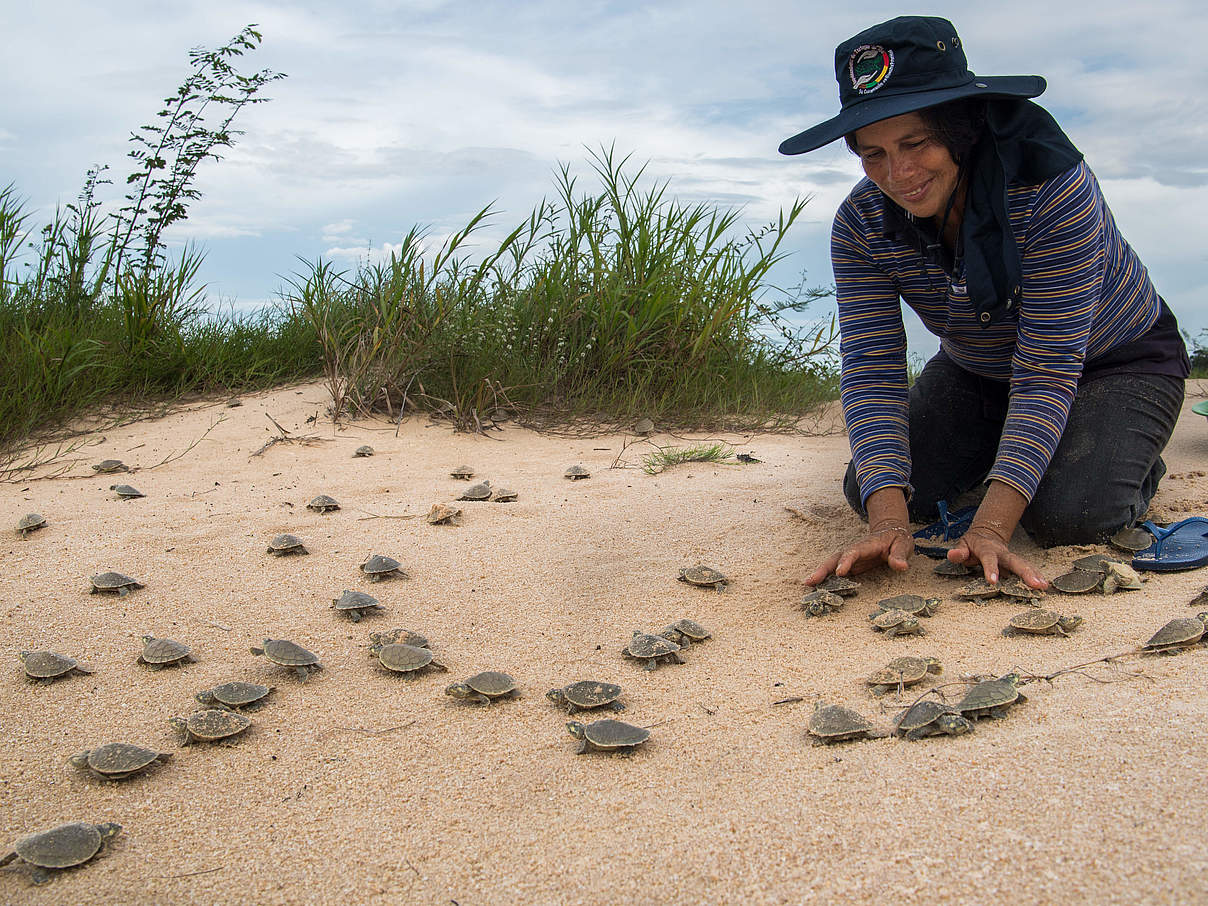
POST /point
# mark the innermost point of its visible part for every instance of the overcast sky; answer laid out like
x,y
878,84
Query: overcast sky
x,y
397,114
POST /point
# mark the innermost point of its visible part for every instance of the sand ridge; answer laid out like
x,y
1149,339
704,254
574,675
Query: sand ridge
x,y
361,786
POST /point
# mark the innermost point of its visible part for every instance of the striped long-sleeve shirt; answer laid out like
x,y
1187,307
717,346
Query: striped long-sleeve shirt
x,y
1085,292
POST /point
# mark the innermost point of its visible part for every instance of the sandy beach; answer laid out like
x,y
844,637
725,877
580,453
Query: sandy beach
x,y
361,786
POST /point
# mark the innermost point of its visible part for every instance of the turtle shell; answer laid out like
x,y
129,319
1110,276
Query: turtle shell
x,y
704,576
396,637
645,645
323,504
952,570
1119,576
919,715
1077,582
839,585
443,513
464,473
491,683
379,566
689,630
819,602
1132,539
286,544
1041,622
576,473
287,653
504,495
364,450
979,589
119,759
906,671
915,605
65,845
834,723
354,602
163,651
30,522
1095,563
111,465
585,694
1176,634
1016,588
48,665
115,582
235,694
644,426
890,619
126,492
990,694
480,491
212,724
405,658
614,734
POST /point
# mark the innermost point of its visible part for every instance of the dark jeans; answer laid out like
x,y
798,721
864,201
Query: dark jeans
x,y
1102,476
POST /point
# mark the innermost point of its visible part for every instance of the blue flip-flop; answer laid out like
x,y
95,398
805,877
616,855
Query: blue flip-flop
x,y
1181,545
1200,408
949,527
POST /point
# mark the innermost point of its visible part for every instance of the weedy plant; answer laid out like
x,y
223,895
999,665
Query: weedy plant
x,y
664,458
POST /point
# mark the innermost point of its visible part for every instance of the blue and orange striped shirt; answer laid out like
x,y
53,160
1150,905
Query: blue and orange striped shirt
x,y
1085,292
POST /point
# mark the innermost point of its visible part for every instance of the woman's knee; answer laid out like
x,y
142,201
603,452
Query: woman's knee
x,y
1055,518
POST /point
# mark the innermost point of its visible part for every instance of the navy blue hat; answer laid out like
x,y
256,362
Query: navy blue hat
x,y
901,66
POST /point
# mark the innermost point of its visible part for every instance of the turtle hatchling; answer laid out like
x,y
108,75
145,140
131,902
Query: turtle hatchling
x,y
839,585
1019,590
1077,582
46,666
60,847
991,698
405,658
980,590
379,567
820,602
834,723
323,504
1095,563
483,688
1132,539
286,545
644,426
444,514
285,653
504,495
896,622
113,583
586,695
106,466
209,725
235,695
30,522
159,653
607,735
126,492
652,650
915,605
576,473
117,760
354,604
684,632
480,491
463,473
902,672
1179,633
950,569
363,450
930,718
1041,622
703,577
397,637
1120,576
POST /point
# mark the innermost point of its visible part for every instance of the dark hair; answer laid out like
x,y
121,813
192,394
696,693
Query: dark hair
x,y
957,125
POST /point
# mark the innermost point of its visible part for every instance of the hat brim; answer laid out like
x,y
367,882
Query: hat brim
x,y
876,108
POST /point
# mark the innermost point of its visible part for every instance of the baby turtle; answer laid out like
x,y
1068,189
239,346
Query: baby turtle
x,y
1041,622
106,466
463,473
126,492
576,473
480,491
379,567
644,426
607,735
46,666
113,583
483,688
285,653
915,605
1120,576
209,725
405,658
234,695
991,698
363,450
1095,563
1132,539
397,637
980,590
443,514
651,650
930,718
834,723
896,622
703,577
30,522
504,495
117,760
950,569
354,604
323,504
839,585
1019,590
159,653
286,545
820,602
902,672
1180,633
684,632
60,847
585,695
1077,582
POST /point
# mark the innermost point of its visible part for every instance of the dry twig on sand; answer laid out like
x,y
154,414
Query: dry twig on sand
x,y
172,457
285,437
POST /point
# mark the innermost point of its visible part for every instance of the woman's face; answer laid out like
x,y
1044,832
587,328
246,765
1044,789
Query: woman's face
x,y
907,164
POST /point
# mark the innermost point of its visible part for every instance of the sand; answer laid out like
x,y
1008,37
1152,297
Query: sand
x,y
364,787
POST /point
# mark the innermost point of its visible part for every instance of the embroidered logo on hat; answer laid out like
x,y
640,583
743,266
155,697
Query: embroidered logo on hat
x,y
869,67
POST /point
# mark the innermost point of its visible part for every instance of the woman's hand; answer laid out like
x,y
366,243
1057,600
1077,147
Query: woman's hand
x,y
982,544
892,545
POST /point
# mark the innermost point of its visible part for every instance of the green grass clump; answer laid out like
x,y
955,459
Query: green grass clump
x,y
664,458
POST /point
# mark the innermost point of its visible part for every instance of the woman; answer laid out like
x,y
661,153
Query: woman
x,y
1060,372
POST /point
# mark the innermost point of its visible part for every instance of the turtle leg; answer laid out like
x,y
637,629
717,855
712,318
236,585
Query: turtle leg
x,y
123,591
650,664
39,875
354,615
6,858
675,658
616,706
303,673
481,699
916,734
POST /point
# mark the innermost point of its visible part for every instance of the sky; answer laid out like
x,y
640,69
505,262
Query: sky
x,y
421,113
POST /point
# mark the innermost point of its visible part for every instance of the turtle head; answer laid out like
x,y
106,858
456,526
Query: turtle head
x,y
953,724
147,639
80,759
375,649
1202,617
815,609
933,665
24,655
1068,623
459,690
575,729
1012,678
180,724
206,697
556,696
109,830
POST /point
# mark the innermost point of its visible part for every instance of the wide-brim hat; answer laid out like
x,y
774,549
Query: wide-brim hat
x,y
901,66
